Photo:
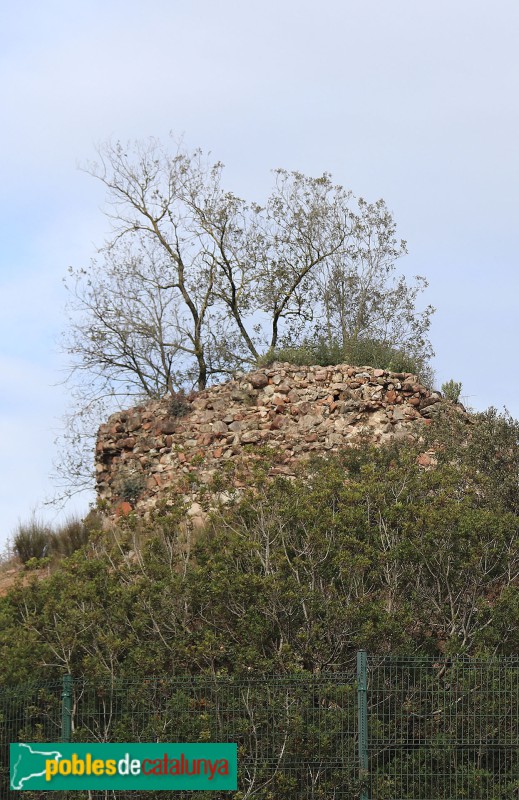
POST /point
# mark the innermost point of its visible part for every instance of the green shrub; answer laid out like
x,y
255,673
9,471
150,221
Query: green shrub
x,y
93,521
70,536
179,404
32,540
37,563
130,485
451,390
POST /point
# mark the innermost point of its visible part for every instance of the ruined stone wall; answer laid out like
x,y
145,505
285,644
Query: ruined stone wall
x,y
150,454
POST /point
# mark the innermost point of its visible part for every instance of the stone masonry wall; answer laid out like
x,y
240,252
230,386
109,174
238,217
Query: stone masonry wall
x,y
149,455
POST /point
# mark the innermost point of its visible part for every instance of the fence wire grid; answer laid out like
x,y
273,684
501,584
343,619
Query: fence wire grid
x,y
295,735
396,729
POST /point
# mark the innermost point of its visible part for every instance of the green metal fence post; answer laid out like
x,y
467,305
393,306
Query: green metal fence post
x,y
362,715
66,709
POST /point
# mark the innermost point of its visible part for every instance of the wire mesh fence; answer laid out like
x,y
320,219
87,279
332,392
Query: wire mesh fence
x,y
400,728
443,728
295,735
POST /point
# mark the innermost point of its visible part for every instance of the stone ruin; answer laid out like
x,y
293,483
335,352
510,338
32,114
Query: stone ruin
x,y
154,454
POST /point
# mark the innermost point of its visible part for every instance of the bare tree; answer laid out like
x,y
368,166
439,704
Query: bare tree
x,y
193,280
364,298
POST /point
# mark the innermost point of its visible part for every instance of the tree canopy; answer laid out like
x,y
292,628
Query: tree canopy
x,y
195,281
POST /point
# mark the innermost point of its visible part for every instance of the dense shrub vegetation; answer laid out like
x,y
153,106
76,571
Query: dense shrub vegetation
x,y
32,540
37,540
366,550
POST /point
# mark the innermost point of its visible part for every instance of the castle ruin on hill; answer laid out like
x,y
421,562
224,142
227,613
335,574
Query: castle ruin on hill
x,y
162,451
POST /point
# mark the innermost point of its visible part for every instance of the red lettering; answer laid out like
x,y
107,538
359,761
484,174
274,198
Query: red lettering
x,y
175,767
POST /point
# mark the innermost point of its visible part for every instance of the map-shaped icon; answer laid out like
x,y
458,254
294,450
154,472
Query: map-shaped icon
x,y
30,763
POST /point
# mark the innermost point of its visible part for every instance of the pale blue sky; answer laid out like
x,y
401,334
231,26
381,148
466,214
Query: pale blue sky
x,y
411,101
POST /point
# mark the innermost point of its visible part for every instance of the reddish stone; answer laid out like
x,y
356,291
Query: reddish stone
x,y
135,422
259,380
391,396
182,458
167,426
123,508
424,460
414,401
218,452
